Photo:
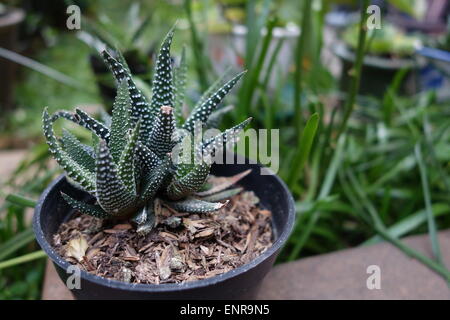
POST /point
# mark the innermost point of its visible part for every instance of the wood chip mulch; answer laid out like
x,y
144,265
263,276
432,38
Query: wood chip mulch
x,y
202,246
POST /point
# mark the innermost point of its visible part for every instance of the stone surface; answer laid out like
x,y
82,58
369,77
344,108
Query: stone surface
x,y
338,275
343,274
54,288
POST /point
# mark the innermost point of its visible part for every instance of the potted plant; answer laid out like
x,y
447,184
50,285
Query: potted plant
x,y
388,51
140,217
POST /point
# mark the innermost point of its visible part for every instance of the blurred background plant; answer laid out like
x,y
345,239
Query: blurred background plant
x,y
364,140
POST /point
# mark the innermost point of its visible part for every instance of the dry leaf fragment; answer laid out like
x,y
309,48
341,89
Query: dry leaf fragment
x,y
204,249
76,248
204,233
123,226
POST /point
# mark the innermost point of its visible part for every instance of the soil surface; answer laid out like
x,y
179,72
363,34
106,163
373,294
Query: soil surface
x,y
201,246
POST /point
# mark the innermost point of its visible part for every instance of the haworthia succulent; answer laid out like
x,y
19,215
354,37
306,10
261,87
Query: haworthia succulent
x,y
202,112
129,165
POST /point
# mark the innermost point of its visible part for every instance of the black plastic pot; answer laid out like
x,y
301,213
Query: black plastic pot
x,y
377,72
240,283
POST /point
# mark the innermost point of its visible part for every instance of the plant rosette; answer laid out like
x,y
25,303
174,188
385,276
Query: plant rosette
x,y
132,219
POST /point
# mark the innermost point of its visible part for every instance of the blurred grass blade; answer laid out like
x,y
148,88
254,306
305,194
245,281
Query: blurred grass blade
x,y
388,103
332,169
357,67
304,147
324,192
20,200
429,210
39,67
411,223
249,86
22,259
299,55
197,47
15,243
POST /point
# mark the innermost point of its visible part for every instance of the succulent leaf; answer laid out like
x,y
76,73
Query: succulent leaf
x,y
162,137
179,79
162,78
120,123
127,162
202,112
73,170
80,153
90,123
112,195
83,207
192,205
65,115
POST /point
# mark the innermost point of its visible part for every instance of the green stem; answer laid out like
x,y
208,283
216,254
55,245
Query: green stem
x,y
254,74
22,259
300,53
356,70
20,200
429,210
16,242
197,48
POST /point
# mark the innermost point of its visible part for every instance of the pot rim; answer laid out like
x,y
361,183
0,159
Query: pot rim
x,y
56,258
